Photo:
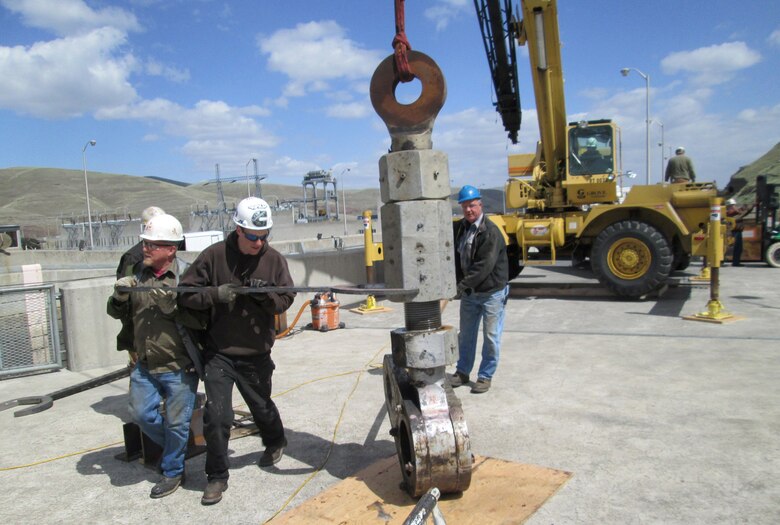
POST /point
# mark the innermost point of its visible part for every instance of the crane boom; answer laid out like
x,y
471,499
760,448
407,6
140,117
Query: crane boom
x,y
539,31
499,30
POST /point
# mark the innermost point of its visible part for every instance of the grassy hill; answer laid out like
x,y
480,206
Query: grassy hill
x,y
40,199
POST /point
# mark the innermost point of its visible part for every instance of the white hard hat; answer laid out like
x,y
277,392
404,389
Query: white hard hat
x,y
253,213
150,212
591,142
163,228
680,149
731,202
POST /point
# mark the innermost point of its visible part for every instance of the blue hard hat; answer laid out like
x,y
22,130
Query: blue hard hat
x,y
468,193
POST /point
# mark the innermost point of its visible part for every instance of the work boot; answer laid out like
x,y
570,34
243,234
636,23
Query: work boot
x,y
166,486
481,386
272,455
458,379
213,492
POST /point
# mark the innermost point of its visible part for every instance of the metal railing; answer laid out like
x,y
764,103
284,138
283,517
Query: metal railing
x,y
29,337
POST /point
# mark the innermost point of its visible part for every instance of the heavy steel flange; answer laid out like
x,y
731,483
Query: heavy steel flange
x,y
430,433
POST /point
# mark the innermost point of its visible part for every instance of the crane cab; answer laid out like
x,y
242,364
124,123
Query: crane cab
x,y
591,164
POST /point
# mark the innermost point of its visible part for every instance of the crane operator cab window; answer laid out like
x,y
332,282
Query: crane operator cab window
x,y
591,150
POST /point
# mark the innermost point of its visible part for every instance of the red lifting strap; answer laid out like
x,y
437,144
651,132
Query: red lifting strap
x,y
401,45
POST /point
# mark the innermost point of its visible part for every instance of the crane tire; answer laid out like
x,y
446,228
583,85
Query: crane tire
x,y
631,258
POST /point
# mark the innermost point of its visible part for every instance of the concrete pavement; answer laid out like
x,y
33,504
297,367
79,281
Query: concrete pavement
x,y
660,420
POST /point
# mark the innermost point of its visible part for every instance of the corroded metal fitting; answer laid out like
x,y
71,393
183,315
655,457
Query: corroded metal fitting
x,y
410,125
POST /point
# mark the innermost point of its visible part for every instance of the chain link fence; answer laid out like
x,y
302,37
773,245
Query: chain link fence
x,y
30,336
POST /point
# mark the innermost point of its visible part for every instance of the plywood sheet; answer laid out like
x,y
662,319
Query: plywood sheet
x,y
501,492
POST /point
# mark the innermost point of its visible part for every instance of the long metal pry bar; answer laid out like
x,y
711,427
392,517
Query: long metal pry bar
x,y
427,420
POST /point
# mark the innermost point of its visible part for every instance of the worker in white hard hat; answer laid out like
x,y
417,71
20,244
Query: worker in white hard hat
x,y
167,362
593,161
679,169
240,336
124,339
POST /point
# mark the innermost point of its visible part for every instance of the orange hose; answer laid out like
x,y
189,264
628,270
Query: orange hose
x,y
289,328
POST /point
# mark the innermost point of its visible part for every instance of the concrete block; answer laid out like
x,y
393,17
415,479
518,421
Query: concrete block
x,y
424,349
414,175
418,246
90,334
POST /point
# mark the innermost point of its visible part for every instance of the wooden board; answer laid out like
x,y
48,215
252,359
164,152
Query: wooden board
x,y
501,492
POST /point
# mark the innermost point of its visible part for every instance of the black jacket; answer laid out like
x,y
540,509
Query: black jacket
x,y
489,270
246,326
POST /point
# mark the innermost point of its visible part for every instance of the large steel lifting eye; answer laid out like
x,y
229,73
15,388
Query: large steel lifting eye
x,y
420,114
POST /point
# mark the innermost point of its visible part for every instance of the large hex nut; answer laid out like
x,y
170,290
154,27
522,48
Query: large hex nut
x,y
418,249
424,349
414,175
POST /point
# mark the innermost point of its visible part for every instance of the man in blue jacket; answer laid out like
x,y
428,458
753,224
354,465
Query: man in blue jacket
x,y
482,272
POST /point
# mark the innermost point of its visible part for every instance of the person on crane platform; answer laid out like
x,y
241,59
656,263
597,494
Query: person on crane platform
x,y
482,273
679,169
167,365
240,336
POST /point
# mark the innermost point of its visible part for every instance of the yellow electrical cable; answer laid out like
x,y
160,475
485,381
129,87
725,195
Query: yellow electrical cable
x,y
333,439
60,457
49,460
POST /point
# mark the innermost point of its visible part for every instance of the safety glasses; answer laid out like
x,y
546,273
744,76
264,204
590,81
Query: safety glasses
x,y
153,246
253,238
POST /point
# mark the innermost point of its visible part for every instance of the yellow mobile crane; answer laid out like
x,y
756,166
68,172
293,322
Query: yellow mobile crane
x,y
567,190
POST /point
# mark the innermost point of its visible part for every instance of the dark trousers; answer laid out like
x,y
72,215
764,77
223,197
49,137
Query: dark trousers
x,y
252,376
736,255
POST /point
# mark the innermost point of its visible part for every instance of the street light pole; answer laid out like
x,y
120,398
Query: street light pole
x,y
246,174
344,198
625,71
661,145
86,189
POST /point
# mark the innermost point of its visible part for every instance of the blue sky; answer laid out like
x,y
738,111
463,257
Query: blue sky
x,y
170,88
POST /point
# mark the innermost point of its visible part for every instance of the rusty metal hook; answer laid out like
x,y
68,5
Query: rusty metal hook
x,y
410,125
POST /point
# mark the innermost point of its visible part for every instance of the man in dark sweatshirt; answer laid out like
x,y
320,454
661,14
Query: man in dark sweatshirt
x,y
240,336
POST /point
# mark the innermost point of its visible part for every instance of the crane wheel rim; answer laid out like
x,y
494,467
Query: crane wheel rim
x,y
629,259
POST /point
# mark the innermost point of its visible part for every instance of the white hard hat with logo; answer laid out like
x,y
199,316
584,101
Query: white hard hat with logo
x,y
253,213
164,228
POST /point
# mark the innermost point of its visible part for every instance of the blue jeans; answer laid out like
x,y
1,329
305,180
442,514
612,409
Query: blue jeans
x,y
171,433
488,308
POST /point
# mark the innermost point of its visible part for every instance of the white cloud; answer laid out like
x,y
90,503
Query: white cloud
x,y
153,67
68,76
214,131
314,53
711,65
477,145
774,38
70,17
443,11
349,110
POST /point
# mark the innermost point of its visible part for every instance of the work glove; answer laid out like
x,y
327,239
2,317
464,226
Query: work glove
x,y
462,290
257,283
226,293
164,299
124,282
264,299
